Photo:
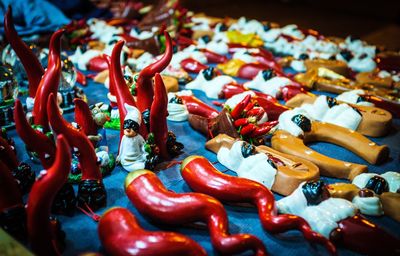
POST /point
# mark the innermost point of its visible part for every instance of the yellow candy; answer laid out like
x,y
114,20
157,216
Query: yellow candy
x,y
231,67
251,39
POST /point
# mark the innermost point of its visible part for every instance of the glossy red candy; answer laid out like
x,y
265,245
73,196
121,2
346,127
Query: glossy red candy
x,y
120,234
145,190
202,177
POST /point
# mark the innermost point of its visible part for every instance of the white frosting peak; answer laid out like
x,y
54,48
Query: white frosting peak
x,y
322,218
271,86
254,167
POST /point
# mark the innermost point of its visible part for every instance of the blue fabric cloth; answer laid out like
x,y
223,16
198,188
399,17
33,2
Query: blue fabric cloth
x,y
33,16
81,231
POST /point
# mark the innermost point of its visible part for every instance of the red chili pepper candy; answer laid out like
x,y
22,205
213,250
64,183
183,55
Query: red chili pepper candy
x,y
250,70
248,129
238,109
193,66
289,91
257,112
241,122
213,57
81,78
230,90
97,64
260,131
249,107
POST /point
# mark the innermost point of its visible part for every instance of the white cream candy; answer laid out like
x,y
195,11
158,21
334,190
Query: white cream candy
x,y
210,87
323,218
176,112
369,205
353,97
271,86
286,123
254,167
392,178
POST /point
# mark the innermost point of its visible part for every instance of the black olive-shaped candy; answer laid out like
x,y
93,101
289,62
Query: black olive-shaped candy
x,y
333,57
206,38
302,121
223,27
346,54
360,99
176,99
304,56
247,149
315,192
378,184
209,73
331,101
268,74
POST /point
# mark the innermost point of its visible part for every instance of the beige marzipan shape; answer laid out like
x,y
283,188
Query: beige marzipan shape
x,y
288,177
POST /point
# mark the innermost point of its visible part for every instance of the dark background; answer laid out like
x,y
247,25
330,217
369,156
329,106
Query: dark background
x,y
378,22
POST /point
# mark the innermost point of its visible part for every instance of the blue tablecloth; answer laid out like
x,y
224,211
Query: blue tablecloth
x,y
81,230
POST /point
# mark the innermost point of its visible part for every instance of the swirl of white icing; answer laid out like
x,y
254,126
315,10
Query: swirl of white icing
x,y
352,98
343,115
298,65
176,112
286,123
368,205
362,179
142,61
393,179
210,87
322,218
142,35
271,86
189,52
244,55
201,23
254,167
366,64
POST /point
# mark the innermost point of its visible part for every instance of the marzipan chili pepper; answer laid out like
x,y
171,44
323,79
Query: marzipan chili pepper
x,y
87,155
41,235
84,118
81,78
289,91
171,208
213,57
118,86
91,189
32,66
12,210
158,116
144,85
230,90
197,107
34,140
184,41
272,108
250,70
97,64
192,66
22,172
257,112
49,83
247,129
260,131
202,177
238,109
9,191
7,155
121,234
241,122
249,107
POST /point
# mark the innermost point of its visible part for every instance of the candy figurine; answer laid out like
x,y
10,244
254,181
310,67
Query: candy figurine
x,y
338,220
8,93
132,154
44,233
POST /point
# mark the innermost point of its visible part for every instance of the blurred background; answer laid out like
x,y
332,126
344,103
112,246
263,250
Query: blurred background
x,y
377,22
